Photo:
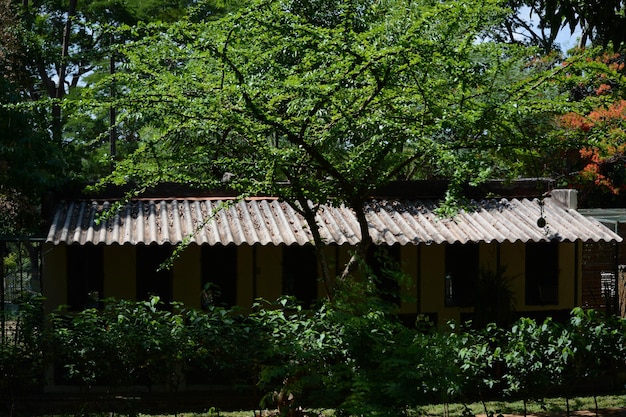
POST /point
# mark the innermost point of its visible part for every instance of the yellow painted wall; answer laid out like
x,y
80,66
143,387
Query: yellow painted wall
x,y
187,277
409,264
54,276
512,258
432,283
511,255
269,275
331,258
488,257
245,281
567,275
425,291
120,269
578,251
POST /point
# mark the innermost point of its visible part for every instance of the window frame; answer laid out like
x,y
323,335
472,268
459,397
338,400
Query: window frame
x,y
541,283
149,279
85,276
384,265
299,273
462,263
219,269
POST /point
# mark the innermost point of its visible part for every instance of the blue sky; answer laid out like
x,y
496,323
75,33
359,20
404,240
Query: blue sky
x,y
565,39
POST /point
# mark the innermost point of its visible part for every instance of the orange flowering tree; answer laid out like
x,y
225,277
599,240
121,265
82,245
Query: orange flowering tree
x,y
596,162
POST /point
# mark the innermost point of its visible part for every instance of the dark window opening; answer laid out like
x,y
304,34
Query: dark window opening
x,y
300,273
384,265
154,276
461,274
85,276
219,276
542,273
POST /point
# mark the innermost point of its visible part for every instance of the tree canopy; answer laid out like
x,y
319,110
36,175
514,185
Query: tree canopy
x,y
336,98
370,93
311,101
49,52
598,168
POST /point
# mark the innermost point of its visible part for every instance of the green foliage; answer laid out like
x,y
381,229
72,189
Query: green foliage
x,y
477,357
22,360
222,347
601,23
329,100
532,361
354,94
356,362
494,300
595,344
74,42
29,163
299,351
127,343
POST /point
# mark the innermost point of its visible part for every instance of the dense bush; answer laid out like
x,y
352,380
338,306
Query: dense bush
x,y
358,361
125,343
21,353
222,347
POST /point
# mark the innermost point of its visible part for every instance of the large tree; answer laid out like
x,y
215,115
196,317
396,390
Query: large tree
x,y
595,162
47,50
64,46
598,167
29,161
336,98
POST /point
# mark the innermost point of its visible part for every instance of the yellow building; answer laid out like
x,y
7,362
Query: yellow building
x,y
261,248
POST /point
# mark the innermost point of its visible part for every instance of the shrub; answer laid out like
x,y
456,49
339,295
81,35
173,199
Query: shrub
x,y
126,343
357,360
21,356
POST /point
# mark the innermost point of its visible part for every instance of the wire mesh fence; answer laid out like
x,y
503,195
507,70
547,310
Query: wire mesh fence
x,y
20,272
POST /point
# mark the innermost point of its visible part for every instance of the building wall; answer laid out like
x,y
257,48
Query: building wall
x,y
570,275
246,291
598,257
187,280
511,257
259,276
268,272
429,264
410,264
54,276
432,286
120,265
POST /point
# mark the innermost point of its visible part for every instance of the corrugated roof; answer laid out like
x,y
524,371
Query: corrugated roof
x,y
607,216
269,221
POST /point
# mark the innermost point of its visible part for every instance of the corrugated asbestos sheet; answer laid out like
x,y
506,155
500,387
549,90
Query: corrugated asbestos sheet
x,y
269,221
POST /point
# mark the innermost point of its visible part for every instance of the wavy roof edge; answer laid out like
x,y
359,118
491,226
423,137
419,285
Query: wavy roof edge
x,y
266,221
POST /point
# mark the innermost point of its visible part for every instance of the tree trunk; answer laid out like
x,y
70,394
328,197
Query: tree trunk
x,y
112,114
59,93
366,239
309,216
